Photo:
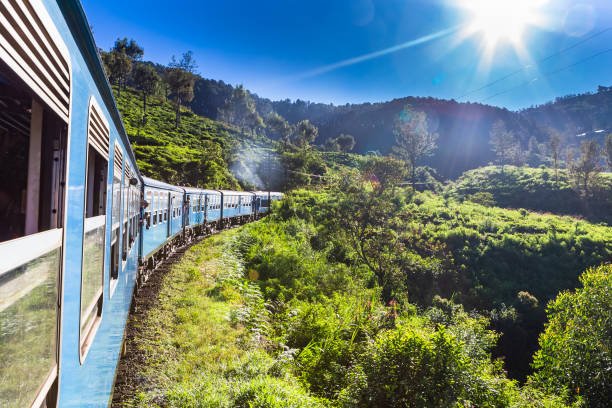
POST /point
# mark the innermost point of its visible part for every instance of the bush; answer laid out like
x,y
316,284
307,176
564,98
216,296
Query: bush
x,y
575,355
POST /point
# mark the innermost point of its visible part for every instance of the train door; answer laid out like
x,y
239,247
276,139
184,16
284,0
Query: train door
x,y
34,110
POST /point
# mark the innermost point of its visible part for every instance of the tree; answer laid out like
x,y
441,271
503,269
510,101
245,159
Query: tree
x,y
346,143
576,348
240,110
146,80
554,142
278,127
533,152
585,169
119,66
130,48
503,142
186,63
608,149
331,145
305,134
181,79
412,138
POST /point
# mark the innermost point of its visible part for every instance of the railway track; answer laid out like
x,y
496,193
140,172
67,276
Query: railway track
x,y
128,380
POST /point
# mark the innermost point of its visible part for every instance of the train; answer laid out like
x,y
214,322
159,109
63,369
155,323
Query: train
x,y
81,229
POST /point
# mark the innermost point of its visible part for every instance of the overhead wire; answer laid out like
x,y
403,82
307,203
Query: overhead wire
x,y
548,74
525,67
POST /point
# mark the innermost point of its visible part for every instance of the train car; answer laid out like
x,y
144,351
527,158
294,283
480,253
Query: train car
x,y
236,206
204,210
69,199
263,201
79,225
162,219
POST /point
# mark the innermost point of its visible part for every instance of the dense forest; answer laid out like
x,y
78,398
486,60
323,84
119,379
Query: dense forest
x,y
418,274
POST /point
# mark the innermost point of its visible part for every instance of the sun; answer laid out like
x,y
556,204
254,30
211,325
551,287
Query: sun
x,y
501,21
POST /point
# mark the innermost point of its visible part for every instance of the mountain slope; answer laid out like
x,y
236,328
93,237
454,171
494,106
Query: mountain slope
x,y
198,153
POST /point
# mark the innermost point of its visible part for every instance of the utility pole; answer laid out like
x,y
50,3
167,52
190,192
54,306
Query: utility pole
x,y
269,178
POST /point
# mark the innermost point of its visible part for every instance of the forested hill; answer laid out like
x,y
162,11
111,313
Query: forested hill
x,y
463,128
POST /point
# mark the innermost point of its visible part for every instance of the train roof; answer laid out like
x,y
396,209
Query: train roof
x,y
232,192
81,32
149,182
195,190
265,193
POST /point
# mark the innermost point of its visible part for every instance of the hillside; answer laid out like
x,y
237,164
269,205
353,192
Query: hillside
x,y
533,189
199,153
463,127
285,312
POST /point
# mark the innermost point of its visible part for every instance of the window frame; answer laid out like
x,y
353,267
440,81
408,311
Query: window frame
x,y
88,333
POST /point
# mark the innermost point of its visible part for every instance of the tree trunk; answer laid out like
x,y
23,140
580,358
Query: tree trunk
x,y
144,108
178,111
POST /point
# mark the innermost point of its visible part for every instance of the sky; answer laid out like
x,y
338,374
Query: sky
x,y
509,53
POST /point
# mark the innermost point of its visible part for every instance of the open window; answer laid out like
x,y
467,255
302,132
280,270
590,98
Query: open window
x,y
92,278
127,173
34,106
116,212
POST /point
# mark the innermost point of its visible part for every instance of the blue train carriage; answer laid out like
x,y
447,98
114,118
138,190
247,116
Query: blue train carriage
x,y
162,220
69,205
203,211
263,200
237,207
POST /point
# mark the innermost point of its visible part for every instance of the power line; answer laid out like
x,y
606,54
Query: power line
x,y
551,56
548,74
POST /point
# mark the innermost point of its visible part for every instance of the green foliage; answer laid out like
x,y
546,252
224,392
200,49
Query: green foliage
x,y
504,143
195,356
196,154
584,169
576,348
419,366
535,189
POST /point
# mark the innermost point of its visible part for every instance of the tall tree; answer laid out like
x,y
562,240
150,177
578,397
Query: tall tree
x,y
278,127
181,79
240,110
119,66
146,80
413,140
346,143
608,149
585,168
554,143
130,48
503,142
305,134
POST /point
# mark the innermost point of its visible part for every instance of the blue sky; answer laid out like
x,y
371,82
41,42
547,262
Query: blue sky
x,y
314,49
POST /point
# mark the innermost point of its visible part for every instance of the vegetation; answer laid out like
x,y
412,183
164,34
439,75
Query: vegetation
x,y
196,154
413,140
282,313
360,291
535,189
576,348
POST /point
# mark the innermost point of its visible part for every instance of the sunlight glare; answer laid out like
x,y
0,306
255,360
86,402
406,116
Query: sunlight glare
x,y
501,20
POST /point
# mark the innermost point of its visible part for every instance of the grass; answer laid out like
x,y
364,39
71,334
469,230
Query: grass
x,y
204,343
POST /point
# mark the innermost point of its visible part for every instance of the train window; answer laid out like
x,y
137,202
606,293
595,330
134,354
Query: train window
x,y
126,190
92,274
115,213
147,214
33,139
